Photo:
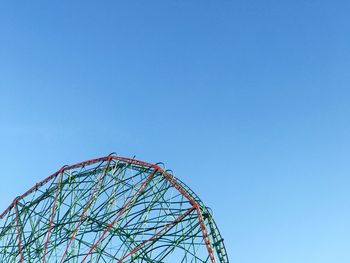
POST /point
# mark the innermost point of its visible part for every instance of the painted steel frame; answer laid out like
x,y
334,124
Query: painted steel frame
x,y
213,242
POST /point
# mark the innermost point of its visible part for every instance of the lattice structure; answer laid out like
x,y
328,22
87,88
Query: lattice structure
x,y
110,209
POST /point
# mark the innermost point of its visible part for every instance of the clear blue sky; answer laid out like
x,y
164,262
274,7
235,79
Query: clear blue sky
x,y
247,101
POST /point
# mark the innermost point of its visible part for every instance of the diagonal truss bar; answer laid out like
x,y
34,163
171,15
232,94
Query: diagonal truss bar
x,y
120,213
86,208
166,227
52,214
199,214
19,233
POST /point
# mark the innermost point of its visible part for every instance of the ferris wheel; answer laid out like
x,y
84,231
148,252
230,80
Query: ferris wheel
x,y
110,209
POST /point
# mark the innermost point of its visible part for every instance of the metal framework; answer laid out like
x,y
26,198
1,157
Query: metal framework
x,y
110,209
